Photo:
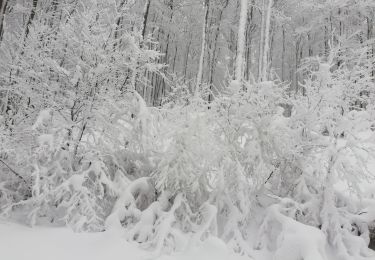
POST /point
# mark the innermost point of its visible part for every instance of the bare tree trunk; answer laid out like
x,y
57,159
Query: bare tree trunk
x,y
241,40
216,23
283,56
266,41
297,60
143,30
326,39
145,17
260,59
271,49
249,30
3,6
203,48
309,39
370,28
187,58
174,58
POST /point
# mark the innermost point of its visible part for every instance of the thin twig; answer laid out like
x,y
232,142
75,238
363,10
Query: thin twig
x,y
269,177
13,171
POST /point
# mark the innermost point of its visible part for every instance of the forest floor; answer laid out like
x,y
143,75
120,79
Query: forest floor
x,y
47,243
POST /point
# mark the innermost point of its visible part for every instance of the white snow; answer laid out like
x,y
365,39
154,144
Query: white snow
x,y
43,118
48,243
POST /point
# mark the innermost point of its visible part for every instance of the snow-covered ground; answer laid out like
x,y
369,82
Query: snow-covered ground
x,y
45,243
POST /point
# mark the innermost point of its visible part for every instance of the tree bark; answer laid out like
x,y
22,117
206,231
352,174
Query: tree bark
x,y
261,45
370,25
145,17
249,30
3,6
216,24
266,42
241,40
203,47
283,56
187,58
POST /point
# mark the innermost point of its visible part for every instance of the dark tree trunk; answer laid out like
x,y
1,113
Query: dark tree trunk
x,y
145,18
372,239
3,7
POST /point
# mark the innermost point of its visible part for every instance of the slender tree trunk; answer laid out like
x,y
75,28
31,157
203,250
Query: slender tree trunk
x,y
283,56
174,58
217,23
136,64
3,6
370,26
145,17
117,28
260,59
249,42
212,66
162,83
326,39
271,49
241,40
297,60
187,58
309,39
203,48
266,41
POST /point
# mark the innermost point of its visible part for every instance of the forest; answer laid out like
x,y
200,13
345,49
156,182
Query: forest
x,y
176,123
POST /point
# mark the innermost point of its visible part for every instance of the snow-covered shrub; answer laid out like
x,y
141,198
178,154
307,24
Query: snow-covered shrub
x,y
76,127
216,155
333,145
75,182
287,238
